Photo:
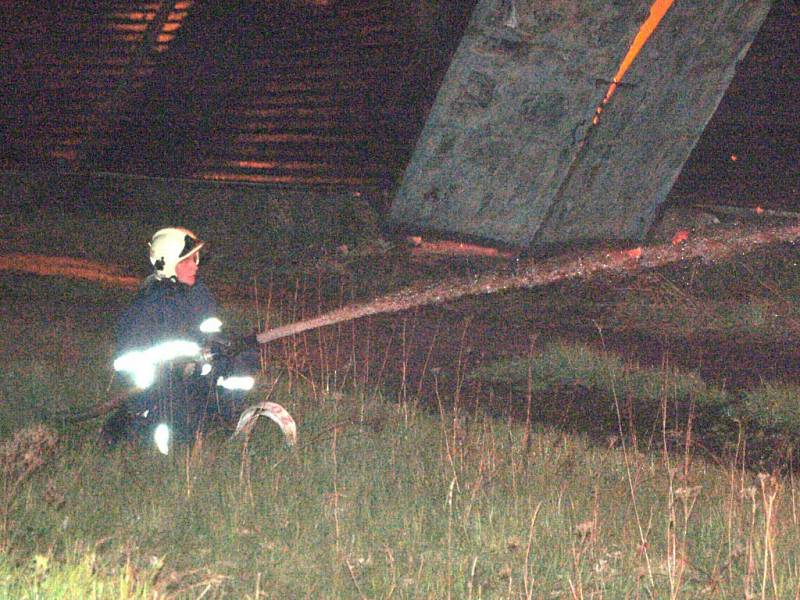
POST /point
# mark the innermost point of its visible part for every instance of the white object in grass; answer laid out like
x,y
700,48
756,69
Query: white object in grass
x,y
211,325
275,412
243,383
161,437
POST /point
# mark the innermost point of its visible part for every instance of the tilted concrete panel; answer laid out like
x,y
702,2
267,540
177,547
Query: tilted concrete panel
x,y
648,128
507,122
509,152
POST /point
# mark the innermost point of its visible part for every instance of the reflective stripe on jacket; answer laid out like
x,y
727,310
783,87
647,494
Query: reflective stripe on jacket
x,y
164,310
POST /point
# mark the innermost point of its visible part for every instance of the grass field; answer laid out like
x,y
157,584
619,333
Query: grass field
x,y
674,487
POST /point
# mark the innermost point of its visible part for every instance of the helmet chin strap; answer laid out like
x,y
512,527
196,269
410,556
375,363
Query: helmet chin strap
x,y
161,277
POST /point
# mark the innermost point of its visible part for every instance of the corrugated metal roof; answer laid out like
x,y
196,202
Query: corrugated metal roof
x,y
329,93
67,67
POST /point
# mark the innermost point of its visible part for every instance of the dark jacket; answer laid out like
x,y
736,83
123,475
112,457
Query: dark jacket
x,y
164,310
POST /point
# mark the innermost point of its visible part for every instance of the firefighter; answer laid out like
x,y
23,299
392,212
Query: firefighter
x,y
171,351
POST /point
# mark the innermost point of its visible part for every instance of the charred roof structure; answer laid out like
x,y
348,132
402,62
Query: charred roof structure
x,y
294,92
480,118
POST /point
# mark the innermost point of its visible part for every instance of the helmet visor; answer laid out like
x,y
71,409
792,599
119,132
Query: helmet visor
x,y
191,247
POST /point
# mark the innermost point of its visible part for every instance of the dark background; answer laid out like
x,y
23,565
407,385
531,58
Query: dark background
x,y
758,122
309,95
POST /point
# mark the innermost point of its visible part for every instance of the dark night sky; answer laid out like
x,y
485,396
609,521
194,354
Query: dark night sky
x,y
758,122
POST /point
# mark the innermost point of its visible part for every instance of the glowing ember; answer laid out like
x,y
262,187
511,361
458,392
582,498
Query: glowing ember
x,y
680,237
449,248
129,27
634,253
657,12
134,15
274,164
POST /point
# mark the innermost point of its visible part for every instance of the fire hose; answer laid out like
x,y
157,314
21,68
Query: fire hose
x,y
532,274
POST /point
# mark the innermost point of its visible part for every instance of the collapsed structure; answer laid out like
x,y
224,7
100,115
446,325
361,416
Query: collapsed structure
x,y
121,103
516,149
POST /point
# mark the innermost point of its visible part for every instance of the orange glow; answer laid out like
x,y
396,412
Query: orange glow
x,y
680,236
139,27
449,248
734,158
657,12
266,126
134,16
63,266
634,253
261,138
291,111
138,22
294,179
260,164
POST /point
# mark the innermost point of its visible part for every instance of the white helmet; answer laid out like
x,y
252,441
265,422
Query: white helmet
x,y
170,246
